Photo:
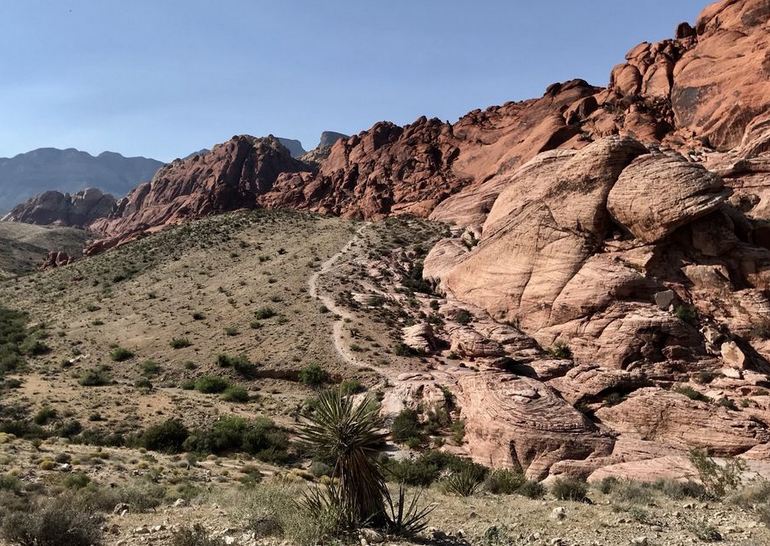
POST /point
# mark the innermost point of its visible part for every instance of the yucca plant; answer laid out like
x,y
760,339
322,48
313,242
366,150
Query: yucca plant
x,y
406,519
349,434
463,483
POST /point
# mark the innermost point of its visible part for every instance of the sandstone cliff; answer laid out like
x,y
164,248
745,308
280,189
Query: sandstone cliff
x,y
63,209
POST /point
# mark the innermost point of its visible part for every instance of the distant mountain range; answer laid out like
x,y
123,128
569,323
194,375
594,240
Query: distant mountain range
x,y
70,170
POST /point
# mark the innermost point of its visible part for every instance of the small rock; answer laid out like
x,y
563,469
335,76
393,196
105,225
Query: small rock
x,y
179,503
639,541
664,299
371,536
559,513
121,509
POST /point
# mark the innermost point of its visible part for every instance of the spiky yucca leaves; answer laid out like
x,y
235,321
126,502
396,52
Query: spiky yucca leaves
x,y
350,435
406,519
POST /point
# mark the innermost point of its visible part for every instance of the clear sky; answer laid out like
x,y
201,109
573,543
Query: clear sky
x,y
163,78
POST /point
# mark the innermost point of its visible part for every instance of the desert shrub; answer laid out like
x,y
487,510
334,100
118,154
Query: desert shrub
x,y
692,394
402,349
728,403
406,428
76,480
167,437
195,536
706,533
235,393
632,492
686,313
33,346
570,489
264,313
9,482
463,317
150,368
53,522
428,467
718,479
531,489
179,342
259,437
239,363
313,375
211,384
197,315
560,350
121,354
95,377
607,485
351,386
463,483
320,468
504,482
678,490
44,415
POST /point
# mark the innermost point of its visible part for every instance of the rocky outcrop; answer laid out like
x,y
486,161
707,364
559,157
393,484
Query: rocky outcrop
x,y
63,209
673,420
656,194
230,176
520,423
56,259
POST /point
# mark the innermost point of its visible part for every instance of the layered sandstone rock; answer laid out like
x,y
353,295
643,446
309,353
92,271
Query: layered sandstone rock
x,y
520,423
63,209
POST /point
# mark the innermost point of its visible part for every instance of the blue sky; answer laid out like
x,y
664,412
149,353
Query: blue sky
x,y
162,78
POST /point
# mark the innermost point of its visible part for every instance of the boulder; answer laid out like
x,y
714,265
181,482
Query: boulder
x,y
656,194
521,423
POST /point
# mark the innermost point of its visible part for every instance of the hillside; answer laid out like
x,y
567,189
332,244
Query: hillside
x,y
69,171
24,247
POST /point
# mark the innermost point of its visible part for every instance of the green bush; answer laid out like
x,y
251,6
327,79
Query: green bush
x,y
428,467
406,427
692,394
351,386
95,377
239,363
718,479
264,313
53,522
235,393
121,354
504,482
44,415
463,317
570,489
211,384
180,343
531,489
313,375
463,483
150,368
259,437
168,436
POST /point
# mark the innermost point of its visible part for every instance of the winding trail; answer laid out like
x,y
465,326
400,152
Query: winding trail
x,y
339,312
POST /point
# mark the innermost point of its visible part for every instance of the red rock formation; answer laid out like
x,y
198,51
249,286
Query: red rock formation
x,y
228,177
56,259
63,209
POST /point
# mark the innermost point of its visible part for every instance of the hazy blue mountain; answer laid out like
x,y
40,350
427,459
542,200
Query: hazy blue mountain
x,y
69,171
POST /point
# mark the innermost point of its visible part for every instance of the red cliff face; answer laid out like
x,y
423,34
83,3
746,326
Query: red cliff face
x,y
229,177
